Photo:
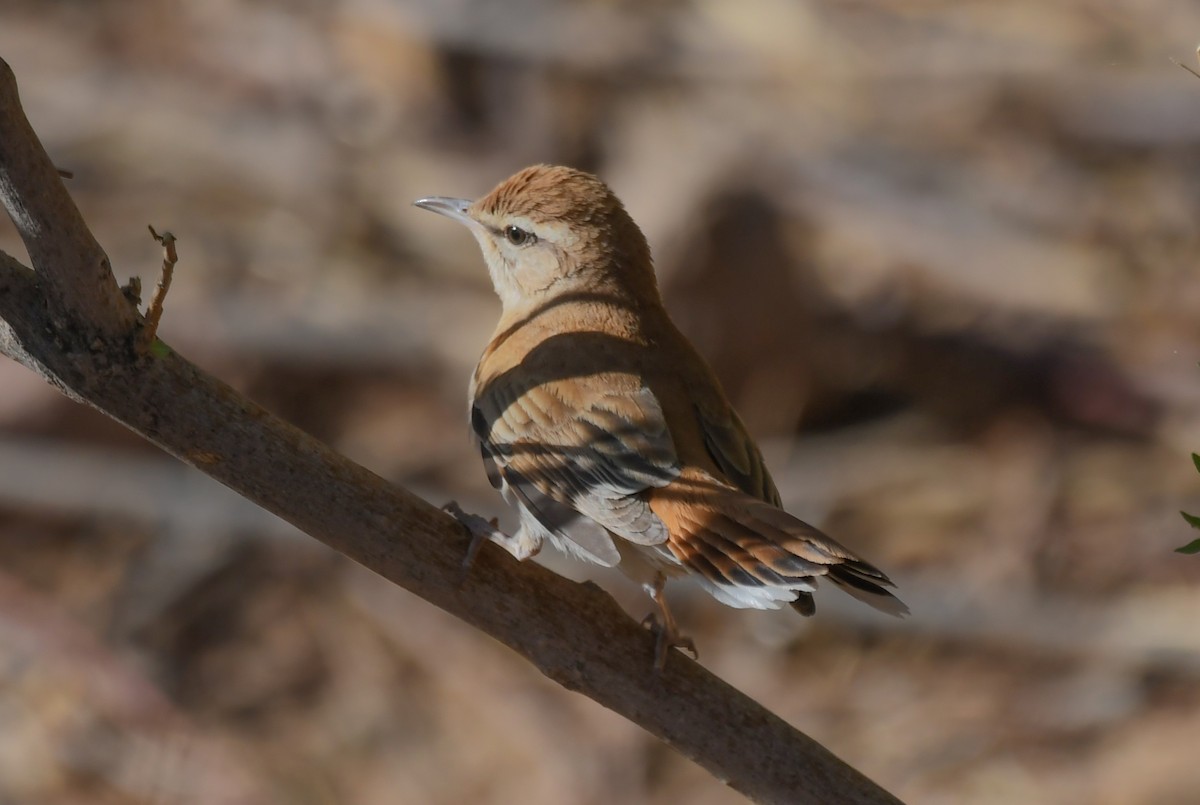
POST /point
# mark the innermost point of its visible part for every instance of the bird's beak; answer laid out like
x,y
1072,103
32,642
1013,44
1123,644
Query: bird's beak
x,y
455,208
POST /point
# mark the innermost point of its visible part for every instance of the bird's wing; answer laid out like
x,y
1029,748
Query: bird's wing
x,y
577,453
734,451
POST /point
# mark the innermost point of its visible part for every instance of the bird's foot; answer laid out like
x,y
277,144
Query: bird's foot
x,y
667,637
666,630
481,531
521,545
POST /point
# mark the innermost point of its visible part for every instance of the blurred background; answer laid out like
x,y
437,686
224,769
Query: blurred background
x,y
942,254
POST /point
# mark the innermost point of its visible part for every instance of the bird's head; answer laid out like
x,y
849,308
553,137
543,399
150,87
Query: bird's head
x,y
550,230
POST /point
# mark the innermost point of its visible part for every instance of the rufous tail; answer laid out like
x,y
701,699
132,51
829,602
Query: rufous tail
x,y
748,553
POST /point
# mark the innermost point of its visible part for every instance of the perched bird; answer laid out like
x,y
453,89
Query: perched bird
x,y
606,430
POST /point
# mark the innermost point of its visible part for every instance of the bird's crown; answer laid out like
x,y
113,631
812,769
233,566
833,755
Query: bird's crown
x,y
552,193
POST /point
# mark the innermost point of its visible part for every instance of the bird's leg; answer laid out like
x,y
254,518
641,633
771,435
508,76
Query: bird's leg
x,y
666,631
482,531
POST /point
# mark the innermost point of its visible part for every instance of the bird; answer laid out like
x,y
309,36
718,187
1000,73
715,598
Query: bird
x,y
599,422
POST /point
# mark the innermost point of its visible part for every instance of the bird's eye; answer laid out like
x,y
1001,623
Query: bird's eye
x,y
518,236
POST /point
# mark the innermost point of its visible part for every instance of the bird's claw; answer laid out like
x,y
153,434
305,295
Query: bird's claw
x,y
481,531
667,637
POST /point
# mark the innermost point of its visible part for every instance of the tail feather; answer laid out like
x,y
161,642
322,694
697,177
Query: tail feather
x,y
767,562
804,604
749,553
860,574
868,591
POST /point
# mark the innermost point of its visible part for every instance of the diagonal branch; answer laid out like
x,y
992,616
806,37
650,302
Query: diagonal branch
x,y
574,633
74,269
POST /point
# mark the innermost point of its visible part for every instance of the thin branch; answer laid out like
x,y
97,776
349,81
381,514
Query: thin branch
x,y
575,633
1184,66
71,265
155,308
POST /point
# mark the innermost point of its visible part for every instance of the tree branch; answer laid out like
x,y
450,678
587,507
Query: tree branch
x,y
70,263
70,323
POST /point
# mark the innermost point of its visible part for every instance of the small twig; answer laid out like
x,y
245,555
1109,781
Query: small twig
x,y
1184,66
1189,69
155,308
66,174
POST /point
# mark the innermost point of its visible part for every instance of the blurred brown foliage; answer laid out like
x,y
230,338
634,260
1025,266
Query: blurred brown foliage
x,y
943,255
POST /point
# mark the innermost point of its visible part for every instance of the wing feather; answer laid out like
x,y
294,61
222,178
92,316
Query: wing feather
x,y
734,452
577,454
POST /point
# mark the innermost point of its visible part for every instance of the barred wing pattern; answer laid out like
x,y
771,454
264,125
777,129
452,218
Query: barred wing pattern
x,y
577,454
